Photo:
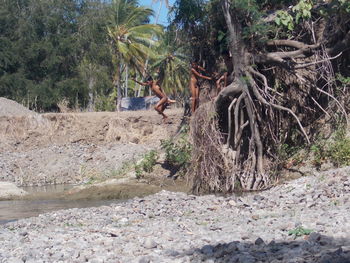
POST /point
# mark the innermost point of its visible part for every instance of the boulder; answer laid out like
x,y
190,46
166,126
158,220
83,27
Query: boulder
x,y
9,190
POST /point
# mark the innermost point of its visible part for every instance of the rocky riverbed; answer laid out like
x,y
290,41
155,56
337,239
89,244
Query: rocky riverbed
x,y
305,220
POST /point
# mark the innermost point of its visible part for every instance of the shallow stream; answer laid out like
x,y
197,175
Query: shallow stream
x,y
43,199
14,210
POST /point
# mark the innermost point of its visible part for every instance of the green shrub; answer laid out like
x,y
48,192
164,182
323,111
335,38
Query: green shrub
x,y
339,152
336,151
178,153
345,81
299,231
147,164
320,153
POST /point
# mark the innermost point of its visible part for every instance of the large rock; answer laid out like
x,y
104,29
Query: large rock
x,y
10,190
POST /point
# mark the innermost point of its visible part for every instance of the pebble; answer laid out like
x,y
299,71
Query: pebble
x,y
149,243
187,228
259,242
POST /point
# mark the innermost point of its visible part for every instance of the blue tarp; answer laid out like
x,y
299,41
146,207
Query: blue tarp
x,y
138,103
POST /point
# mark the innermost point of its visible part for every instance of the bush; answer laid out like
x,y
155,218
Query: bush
x,y
320,153
147,164
299,231
105,103
178,153
337,151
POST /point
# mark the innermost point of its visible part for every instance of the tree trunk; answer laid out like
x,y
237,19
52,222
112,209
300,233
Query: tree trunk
x,y
252,168
90,106
241,160
126,81
118,88
240,145
236,44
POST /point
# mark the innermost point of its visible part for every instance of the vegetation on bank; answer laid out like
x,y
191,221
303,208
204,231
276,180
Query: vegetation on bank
x,y
335,150
177,151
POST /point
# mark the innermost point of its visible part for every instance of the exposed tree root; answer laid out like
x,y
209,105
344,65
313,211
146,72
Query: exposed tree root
x,y
211,170
237,138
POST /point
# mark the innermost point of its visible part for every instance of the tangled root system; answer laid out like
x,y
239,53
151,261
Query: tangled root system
x,y
211,169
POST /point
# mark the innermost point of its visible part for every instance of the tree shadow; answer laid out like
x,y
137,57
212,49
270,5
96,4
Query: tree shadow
x,y
315,248
172,170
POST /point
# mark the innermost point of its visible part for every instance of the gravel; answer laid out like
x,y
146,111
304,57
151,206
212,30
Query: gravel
x,y
52,148
176,227
12,108
66,164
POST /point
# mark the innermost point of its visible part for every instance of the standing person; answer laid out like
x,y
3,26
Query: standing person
x,y
194,84
164,100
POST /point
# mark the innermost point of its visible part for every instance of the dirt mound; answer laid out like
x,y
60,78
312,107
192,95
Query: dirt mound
x,y
56,148
12,108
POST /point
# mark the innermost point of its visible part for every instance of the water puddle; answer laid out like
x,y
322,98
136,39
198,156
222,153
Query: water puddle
x,y
56,188
49,198
14,210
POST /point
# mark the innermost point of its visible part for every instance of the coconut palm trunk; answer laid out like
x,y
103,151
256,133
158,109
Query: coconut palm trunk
x,y
117,86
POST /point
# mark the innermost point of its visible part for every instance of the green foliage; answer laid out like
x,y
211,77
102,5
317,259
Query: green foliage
x,y
319,151
95,176
130,38
105,103
285,151
42,45
250,14
344,5
187,13
337,151
55,50
123,170
171,64
299,231
146,165
284,19
302,10
178,153
345,81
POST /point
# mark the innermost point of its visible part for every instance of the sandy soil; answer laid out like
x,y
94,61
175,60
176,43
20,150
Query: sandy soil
x,y
55,148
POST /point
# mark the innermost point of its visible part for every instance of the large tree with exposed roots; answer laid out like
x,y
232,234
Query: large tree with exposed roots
x,y
282,63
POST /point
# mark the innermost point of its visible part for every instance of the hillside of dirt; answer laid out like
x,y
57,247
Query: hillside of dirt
x,y
56,148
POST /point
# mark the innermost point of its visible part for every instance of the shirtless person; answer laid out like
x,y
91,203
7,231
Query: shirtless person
x,y
164,100
194,86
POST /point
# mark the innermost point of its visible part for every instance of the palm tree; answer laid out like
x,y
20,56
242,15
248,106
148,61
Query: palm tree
x,y
130,37
156,22
172,65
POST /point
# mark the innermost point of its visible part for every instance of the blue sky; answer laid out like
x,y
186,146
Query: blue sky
x,y
155,6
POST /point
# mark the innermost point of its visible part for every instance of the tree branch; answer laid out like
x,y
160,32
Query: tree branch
x,y
305,65
231,90
291,43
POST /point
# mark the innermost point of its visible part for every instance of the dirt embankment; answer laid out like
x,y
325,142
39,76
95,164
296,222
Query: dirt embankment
x,y
54,148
